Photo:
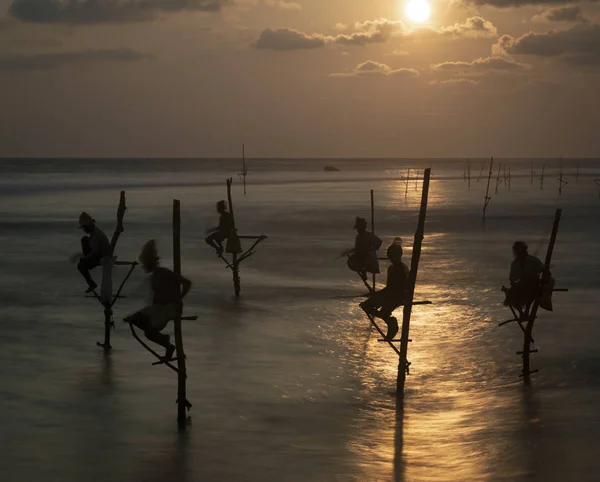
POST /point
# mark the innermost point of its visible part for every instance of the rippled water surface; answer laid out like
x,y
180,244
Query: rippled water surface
x,y
290,383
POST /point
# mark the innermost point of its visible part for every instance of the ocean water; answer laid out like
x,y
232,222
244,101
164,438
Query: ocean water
x,y
289,383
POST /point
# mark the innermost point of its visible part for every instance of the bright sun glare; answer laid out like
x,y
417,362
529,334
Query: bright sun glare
x,y
418,10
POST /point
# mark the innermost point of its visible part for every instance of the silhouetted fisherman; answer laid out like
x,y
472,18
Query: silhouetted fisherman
x,y
383,303
525,273
363,257
94,246
223,231
168,289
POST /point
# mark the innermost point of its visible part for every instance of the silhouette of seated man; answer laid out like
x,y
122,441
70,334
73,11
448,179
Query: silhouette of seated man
x,y
223,231
168,289
382,303
94,246
363,257
525,273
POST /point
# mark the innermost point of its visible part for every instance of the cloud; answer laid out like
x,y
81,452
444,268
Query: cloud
x,y
580,45
370,68
64,59
370,32
455,81
481,66
515,3
473,27
104,11
283,4
288,39
568,13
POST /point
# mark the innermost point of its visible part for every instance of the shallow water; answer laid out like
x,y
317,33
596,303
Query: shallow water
x,y
289,383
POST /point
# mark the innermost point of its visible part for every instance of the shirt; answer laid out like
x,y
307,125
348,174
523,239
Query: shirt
x,y
99,244
526,269
366,242
397,279
166,286
226,223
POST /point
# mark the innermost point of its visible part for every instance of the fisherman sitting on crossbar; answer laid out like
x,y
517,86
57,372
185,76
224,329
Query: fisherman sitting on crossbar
x,y
525,283
382,303
168,289
224,231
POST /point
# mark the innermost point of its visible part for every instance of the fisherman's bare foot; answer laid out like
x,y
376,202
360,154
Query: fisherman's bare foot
x,y
169,353
392,324
91,288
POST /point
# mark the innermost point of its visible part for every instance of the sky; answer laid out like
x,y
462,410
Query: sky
x,y
299,78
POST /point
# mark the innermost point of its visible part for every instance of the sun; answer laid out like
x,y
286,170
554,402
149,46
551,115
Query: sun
x,y
418,10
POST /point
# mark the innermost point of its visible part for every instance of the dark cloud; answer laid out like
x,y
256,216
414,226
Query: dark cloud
x,y
370,68
516,3
104,11
63,59
288,39
580,45
568,13
481,66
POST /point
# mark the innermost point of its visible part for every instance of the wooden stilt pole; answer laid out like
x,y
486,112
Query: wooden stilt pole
x,y
407,181
244,172
532,173
469,174
373,230
509,179
542,177
412,280
481,172
235,266
182,402
487,191
498,178
528,337
505,176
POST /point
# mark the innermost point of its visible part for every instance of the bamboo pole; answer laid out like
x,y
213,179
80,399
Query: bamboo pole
x,y
373,230
244,170
407,181
481,172
235,266
498,178
542,177
532,173
181,369
528,337
412,280
487,191
505,176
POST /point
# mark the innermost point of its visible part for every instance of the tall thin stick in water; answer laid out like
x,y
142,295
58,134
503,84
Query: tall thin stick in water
x,y
487,191
412,281
532,173
542,177
498,178
181,369
373,228
235,267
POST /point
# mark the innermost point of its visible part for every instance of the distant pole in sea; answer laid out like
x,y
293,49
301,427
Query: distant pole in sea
x,y
481,172
561,181
407,181
509,179
244,172
469,174
487,191
532,173
403,365
577,174
597,182
542,177
505,176
498,178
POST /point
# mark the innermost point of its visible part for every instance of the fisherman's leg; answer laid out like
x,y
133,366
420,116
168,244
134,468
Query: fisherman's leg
x,y
84,266
86,245
392,323
216,242
374,302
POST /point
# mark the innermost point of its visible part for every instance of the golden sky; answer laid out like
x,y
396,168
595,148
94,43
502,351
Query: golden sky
x,y
299,78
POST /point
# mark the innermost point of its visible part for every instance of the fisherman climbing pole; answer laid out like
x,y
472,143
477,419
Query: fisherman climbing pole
x,y
408,298
526,314
106,297
234,247
169,289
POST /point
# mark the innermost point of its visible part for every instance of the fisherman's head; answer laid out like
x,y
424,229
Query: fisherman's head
x,y
221,207
149,256
86,222
519,249
360,224
395,251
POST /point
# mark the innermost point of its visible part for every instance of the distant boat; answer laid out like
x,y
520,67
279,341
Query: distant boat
x,y
331,169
